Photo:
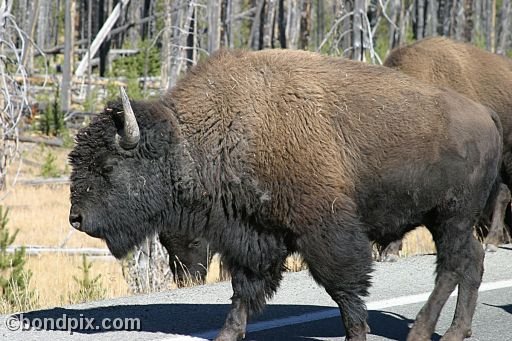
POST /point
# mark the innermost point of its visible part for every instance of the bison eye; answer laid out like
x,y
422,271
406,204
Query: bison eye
x,y
194,244
107,169
108,166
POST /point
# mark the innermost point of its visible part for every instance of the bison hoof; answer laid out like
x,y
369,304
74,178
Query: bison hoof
x,y
418,334
389,258
491,248
357,333
229,336
456,334
356,338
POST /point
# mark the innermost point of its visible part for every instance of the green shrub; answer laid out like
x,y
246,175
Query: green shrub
x,y
132,67
14,279
49,168
51,120
89,288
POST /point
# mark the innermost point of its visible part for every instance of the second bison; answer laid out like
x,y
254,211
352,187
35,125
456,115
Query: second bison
x,y
189,256
482,76
266,153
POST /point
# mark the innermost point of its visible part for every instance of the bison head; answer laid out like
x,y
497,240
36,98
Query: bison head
x,y
188,256
120,186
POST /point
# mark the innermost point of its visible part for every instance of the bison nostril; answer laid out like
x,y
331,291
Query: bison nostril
x,y
75,219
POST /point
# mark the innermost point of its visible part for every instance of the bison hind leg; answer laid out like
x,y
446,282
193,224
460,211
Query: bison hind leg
x,y
341,261
500,203
468,294
459,262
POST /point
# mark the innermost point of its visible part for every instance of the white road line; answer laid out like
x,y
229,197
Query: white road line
x,y
334,312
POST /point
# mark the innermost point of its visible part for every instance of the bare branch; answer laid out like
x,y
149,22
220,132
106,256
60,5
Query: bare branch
x,y
14,87
333,27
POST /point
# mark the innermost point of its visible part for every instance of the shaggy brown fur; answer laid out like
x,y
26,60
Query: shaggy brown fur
x,y
266,153
482,76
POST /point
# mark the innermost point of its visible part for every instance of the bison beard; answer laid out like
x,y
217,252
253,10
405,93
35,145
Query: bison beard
x,y
267,153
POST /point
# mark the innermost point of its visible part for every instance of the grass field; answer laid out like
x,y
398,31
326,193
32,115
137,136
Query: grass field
x,y
40,213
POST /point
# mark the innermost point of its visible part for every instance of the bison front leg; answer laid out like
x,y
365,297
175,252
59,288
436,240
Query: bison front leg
x,y
249,292
236,322
256,271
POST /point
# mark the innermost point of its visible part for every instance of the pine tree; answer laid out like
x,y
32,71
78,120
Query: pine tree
x,y
14,279
89,288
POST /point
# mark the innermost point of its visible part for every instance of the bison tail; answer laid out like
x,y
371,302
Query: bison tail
x,y
496,119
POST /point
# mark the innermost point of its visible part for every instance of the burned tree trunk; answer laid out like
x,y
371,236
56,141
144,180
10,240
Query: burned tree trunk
x,y
420,19
268,26
281,24
320,21
67,72
105,46
492,33
165,69
256,35
305,25
357,30
468,23
293,23
213,10
506,12
431,23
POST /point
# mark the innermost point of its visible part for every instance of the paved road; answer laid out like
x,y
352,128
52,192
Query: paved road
x,y
301,310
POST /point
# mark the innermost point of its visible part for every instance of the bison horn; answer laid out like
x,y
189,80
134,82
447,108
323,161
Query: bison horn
x,y
129,136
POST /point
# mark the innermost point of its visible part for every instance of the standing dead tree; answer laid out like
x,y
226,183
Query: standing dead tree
x,y
357,29
14,86
351,34
268,26
213,9
100,37
147,269
505,26
183,21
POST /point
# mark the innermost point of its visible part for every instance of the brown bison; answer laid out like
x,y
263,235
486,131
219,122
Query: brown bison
x,y
271,152
482,76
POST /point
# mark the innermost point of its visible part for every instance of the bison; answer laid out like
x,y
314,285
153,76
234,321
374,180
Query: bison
x,y
189,256
271,152
482,76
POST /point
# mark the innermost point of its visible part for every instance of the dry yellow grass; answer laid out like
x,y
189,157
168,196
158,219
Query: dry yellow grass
x,y
41,215
53,283
41,212
33,157
418,242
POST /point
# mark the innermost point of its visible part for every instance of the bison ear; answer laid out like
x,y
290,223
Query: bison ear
x,y
128,134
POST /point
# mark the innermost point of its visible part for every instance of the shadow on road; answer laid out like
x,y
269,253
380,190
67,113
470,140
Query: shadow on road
x,y
507,307
505,247
190,319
